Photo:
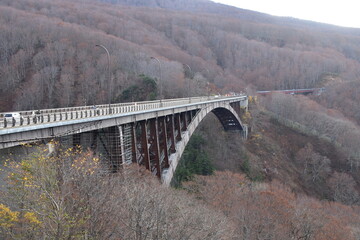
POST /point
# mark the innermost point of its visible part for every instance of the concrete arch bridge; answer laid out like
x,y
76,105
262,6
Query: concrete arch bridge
x,y
153,133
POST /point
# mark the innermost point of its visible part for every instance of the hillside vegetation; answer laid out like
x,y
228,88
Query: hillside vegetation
x,y
68,196
48,56
295,177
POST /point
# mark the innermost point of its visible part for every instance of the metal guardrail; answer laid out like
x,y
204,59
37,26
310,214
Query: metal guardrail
x,y
36,117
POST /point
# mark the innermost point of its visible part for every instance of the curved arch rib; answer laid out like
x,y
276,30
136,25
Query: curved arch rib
x,y
229,120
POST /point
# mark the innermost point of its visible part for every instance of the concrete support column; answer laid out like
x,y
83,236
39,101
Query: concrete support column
x,y
189,117
155,148
178,126
183,118
164,147
144,144
133,143
171,134
121,141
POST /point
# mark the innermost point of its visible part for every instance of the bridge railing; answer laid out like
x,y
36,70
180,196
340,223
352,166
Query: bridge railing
x,y
43,116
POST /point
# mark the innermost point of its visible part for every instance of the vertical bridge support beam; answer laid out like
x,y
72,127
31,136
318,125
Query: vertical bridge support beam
x,y
164,145
133,143
155,149
122,157
183,118
171,133
178,126
144,144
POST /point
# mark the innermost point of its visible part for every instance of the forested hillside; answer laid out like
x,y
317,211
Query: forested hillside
x,y
300,166
48,48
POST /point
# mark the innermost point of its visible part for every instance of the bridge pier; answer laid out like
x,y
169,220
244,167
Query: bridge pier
x,y
112,147
144,145
154,147
163,140
134,143
178,126
171,133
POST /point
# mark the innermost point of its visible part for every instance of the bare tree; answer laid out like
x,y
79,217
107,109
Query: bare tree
x,y
343,187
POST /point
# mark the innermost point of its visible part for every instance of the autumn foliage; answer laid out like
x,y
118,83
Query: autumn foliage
x,y
48,48
68,195
273,211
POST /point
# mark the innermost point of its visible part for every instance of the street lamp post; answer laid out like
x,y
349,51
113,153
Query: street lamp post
x,y
160,80
109,74
189,78
208,89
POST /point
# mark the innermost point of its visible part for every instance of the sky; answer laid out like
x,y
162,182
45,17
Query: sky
x,y
345,13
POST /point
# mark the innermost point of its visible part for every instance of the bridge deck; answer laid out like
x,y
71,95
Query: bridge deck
x,y
65,121
60,115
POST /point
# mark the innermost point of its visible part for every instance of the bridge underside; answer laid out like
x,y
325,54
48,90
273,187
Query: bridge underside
x,y
228,120
149,143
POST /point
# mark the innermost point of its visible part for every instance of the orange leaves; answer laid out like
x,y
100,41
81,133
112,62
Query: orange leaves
x,y
260,210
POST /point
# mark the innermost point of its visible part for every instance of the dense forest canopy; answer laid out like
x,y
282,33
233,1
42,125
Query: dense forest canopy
x,y
48,48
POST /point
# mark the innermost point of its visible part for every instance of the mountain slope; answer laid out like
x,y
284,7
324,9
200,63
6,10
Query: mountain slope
x,y
55,40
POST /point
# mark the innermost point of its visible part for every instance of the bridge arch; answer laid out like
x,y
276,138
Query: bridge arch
x,y
228,118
